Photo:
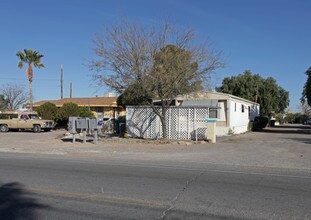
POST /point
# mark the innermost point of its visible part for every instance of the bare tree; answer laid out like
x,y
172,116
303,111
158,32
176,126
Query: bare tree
x,y
15,95
3,103
152,63
304,108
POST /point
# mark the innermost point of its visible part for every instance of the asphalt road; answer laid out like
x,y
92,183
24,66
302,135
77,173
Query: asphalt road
x,y
44,187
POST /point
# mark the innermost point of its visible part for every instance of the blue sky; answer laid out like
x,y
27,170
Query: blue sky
x,y
268,37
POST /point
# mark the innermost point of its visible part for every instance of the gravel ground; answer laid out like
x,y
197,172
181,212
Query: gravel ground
x,y
280,147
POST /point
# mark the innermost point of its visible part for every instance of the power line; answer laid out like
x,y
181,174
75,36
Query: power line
x,y
26,79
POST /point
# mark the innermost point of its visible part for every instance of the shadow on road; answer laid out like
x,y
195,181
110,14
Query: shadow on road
x,y
15,202
303,140
289,129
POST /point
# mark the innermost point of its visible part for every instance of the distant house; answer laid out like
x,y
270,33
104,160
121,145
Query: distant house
x,y
233,114
103,107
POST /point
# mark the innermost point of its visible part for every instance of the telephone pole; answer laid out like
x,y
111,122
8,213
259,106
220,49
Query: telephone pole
x,y
70,89
61,81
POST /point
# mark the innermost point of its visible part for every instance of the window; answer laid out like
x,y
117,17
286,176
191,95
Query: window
x,y
213,113
32,116
100,109
24,117
243,108
8,116
234,107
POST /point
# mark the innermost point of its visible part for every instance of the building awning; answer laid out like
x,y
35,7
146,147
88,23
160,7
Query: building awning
x,y
213,103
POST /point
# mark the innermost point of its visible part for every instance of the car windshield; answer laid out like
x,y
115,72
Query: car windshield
x,y
31,116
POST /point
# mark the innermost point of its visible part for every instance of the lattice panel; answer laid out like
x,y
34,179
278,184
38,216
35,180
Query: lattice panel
x,y
183,128
182,123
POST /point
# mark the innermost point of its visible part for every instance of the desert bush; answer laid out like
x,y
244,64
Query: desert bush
x,y
47,111
66,111
85,112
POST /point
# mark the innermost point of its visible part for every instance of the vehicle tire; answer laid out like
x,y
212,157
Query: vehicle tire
x,y
4,128
36,128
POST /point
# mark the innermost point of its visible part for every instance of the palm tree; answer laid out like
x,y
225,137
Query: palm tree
x,y
29,57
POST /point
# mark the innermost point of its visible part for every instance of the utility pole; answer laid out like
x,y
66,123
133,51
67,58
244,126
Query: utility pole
x,y
256,96
61,81
70,89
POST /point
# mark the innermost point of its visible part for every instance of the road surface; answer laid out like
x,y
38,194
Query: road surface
x,y
50,187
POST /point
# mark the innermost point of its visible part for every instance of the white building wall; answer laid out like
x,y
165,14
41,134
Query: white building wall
x,y
241,116
222,111
222,131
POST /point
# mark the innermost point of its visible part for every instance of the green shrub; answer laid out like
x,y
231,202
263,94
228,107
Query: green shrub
x,y
231,131
47,111
256,126
66,111
250,126
85,112
260,123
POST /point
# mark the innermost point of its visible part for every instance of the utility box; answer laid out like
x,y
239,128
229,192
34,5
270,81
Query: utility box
x,y
72,125
77,125
92,123
82,123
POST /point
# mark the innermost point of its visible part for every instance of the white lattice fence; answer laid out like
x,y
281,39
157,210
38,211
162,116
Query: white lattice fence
x,y
182,122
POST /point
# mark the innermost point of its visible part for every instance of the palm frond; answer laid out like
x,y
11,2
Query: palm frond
x,y
38,64
20,64
30,57
21,55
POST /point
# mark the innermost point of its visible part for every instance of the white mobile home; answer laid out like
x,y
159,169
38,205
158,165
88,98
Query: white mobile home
x,y
233,114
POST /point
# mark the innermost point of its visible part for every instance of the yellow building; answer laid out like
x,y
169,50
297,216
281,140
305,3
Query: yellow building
x,y
103,107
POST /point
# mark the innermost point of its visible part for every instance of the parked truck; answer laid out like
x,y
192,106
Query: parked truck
x,y
24,121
